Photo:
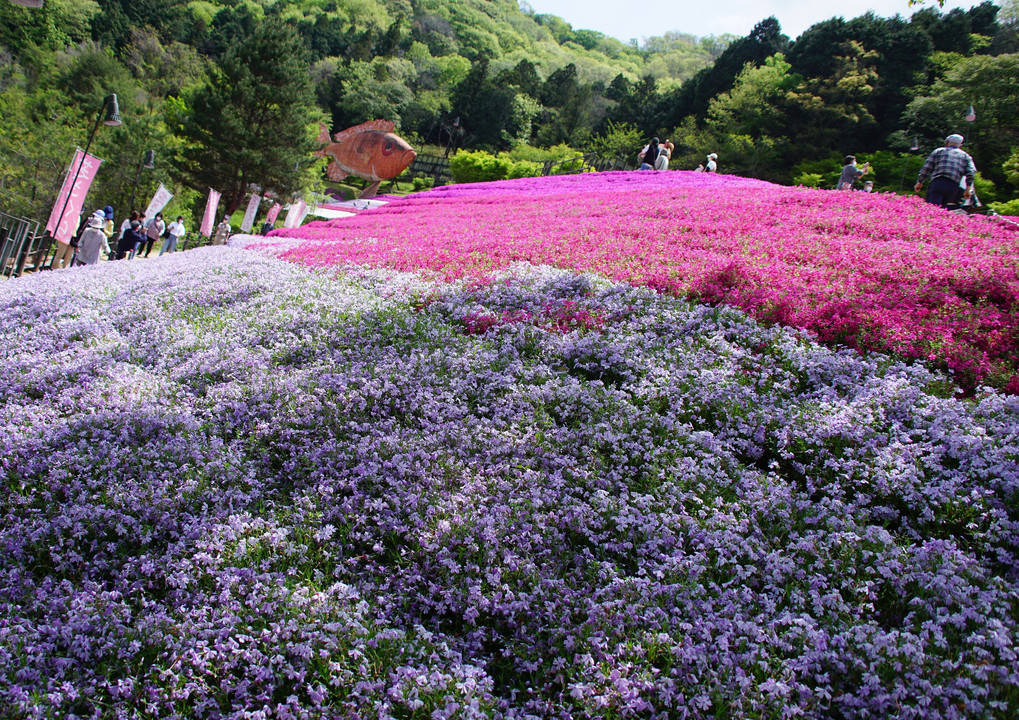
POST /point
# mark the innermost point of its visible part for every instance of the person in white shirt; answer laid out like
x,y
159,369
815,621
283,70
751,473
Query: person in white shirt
x,y
176,231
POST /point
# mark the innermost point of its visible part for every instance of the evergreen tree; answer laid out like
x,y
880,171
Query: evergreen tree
x,y
254,121
694,96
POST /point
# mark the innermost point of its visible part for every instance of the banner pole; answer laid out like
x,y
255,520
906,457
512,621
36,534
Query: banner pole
x,y
77,172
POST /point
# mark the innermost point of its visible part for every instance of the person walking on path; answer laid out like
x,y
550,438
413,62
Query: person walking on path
x,y
153,232
93,240
946,167
222,233
851,173
175,232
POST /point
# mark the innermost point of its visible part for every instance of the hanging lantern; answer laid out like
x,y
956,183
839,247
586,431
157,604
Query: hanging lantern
x,y
971,115
28,3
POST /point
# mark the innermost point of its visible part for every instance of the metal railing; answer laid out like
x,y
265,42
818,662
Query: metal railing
x,y
20,243
435,166
591,162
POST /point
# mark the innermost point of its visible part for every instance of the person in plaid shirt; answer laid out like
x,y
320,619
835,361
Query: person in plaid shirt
x,y
946,167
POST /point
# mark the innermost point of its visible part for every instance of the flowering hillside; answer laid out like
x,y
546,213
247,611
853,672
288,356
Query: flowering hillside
x,y
234,488
869,271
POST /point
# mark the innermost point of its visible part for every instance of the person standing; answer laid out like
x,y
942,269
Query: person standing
x,y
850,173
174,233
947,167
64,255
153,232
93,240
222,233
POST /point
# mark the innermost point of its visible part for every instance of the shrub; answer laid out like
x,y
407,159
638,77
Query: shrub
x,y
1006,208
810,180
478,166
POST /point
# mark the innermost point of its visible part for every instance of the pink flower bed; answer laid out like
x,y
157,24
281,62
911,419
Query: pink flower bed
x,y
871,271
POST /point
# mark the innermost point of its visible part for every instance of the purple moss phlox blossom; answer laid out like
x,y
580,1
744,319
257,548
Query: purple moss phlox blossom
x,y
237,489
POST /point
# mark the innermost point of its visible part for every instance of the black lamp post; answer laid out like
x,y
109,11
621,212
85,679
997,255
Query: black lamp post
x,y
148,162
113,120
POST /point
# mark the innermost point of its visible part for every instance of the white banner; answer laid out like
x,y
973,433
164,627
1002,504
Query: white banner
x,y
250,213
159,201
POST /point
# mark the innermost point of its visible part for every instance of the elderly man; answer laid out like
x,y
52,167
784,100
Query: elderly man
x,y
946,167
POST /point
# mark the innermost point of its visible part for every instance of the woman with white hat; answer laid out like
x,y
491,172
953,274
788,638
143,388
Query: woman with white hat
x,y
93,241
711,165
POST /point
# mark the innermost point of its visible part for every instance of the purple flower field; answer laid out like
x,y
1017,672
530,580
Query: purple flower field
x,y
234,488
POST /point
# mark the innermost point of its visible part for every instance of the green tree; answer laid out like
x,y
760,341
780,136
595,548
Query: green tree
x,y
55,25
254,122
988,84
695,95
621,140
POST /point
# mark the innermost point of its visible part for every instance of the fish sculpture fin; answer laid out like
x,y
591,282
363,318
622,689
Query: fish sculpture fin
x,y
370,191
323,134
385,126
335,172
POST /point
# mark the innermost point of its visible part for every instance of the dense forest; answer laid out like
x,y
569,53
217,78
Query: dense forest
x,y
230,93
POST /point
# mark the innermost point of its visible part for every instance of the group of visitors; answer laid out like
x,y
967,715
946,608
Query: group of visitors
x,y
92,239
656,155
136,233
950,169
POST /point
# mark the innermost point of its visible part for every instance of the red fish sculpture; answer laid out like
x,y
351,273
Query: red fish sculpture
x,y
370,151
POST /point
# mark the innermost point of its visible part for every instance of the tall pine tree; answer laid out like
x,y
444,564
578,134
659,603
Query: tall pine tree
x,y
254,122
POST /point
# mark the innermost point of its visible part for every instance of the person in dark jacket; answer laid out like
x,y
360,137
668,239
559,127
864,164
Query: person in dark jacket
x,y
649,155
130,240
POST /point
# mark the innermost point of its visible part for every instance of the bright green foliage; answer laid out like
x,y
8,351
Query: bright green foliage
x,y
810,180
1011,167
1010,208
480,166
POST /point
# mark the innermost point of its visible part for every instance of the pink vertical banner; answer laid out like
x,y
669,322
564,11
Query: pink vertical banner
x,y
295,213
249,214
210,213
274,212
63,221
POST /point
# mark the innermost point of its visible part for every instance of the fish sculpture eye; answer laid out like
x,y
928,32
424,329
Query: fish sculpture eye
x,y
387,147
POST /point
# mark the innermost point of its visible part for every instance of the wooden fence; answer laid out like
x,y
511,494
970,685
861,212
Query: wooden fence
x,y
20,244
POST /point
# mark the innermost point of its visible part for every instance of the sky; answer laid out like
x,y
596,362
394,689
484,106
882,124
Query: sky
x,y
646,18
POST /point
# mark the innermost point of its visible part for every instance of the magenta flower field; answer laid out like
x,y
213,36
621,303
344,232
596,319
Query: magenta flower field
x,y
876,272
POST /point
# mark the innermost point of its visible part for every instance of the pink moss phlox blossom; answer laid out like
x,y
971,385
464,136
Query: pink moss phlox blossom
x,y
871,271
